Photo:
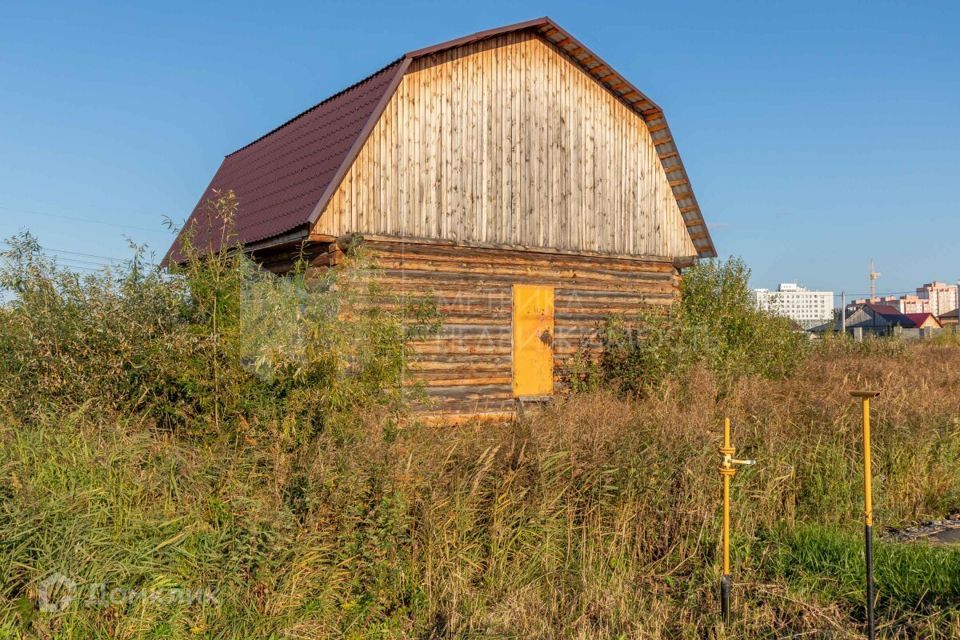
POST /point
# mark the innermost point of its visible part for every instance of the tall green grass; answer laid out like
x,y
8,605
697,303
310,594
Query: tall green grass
x,y
910,578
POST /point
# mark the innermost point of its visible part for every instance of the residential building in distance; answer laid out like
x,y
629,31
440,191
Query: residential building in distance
x,y
935,297
950,318
905,304
872,318
805,307
914,304
887,301
942,297
923,321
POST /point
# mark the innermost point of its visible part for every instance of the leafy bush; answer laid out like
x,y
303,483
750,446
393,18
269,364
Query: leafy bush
x,y
217,341
715,324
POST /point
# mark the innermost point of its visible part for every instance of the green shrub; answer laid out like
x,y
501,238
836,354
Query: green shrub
x,y
835,344
715,324
215,341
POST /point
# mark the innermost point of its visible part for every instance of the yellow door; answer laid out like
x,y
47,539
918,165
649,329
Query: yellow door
x,y
532,340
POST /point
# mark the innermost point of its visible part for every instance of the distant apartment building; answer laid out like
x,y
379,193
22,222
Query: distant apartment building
x,y
806,308
890,301
914,304
942,297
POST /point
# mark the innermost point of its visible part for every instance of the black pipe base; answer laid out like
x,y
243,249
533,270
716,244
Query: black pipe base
x,y
868,539
725,598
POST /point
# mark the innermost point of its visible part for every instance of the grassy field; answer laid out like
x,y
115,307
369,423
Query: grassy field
x,y
597,519
222,454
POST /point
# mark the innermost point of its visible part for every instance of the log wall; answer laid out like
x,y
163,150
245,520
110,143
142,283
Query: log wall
x,y
466,370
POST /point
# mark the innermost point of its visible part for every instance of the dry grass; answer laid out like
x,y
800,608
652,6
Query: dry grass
x,y
596,519
599,517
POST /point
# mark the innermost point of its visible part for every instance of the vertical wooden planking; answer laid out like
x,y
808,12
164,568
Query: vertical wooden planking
x,y
521,127
599,227
382,133
503,99
550,152
450,151
566,198
645,194
541,203
486,93
409,133
399,227
515,87
471,141
577,151
459,194
506,141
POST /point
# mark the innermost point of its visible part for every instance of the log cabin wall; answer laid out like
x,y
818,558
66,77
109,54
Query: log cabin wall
x,y
506,141
466,370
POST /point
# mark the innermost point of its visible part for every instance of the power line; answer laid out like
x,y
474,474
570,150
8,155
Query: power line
x,y
99,259
77,219
877,294
85,255
73,261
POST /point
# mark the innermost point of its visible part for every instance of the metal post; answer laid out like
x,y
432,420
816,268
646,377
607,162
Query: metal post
x,y
727,471
868,504
843,313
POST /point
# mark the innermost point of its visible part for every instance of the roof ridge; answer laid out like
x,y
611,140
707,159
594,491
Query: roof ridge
x,y
484,34
319,104
479,35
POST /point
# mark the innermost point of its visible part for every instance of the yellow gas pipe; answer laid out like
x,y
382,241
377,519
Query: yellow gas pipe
x,y
727,471
867,504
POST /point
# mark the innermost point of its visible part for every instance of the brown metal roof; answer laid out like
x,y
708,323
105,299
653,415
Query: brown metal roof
x,y
920,319
284,179
279,178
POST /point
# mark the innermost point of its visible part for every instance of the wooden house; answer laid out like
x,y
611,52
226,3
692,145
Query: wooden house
x,y
923,321
882,320
950,318
512,172
874,319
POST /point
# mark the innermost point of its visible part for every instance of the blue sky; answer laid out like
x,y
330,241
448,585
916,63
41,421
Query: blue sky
x,y
817,135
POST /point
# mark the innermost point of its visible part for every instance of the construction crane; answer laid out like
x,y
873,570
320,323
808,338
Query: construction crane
x,y
873,281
